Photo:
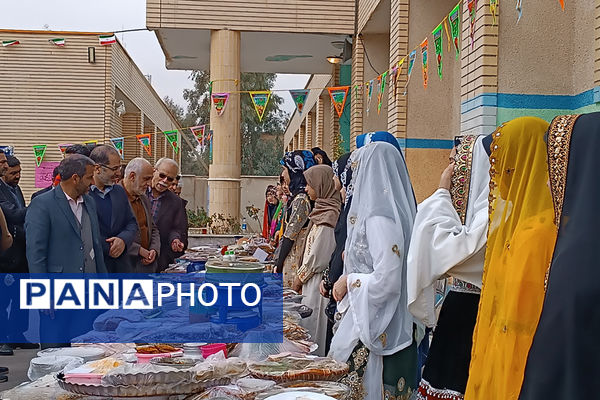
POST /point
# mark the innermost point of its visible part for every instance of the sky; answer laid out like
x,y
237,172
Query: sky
x,y
115,15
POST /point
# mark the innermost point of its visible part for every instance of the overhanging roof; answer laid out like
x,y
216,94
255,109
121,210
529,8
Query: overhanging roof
x,y
275,52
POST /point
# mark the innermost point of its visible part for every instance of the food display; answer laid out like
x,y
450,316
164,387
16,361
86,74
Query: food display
x,y
289,367
156,349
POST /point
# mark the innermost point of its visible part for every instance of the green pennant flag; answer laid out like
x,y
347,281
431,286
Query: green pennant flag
x,y
438,41
39,150
118,145
173,139
454,18
381,79
260,99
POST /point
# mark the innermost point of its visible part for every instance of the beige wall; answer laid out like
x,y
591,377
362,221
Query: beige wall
x,y
544,63
195,190
433,113
49,95
52,95
296,16
378,49
425,167
129,79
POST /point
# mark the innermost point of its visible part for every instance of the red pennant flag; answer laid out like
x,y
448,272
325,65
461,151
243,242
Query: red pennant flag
x,y
338,97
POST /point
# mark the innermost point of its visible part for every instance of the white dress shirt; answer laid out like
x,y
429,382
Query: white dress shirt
x,y
76,206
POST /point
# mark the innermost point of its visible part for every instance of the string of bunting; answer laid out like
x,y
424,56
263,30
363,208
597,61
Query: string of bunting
x,y
338,94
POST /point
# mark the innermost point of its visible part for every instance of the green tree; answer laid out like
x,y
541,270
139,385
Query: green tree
x,y
259,157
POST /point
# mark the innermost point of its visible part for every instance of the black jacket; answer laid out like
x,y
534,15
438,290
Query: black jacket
x,y
14,259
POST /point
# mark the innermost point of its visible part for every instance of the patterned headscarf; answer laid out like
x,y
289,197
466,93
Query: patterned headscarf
x,y
342,168
296,162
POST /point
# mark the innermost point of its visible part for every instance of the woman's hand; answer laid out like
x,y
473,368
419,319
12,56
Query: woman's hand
x,y
297,285
340,288
446,179
324,292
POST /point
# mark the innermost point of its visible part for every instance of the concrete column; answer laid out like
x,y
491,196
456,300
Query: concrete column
x,y
356,106
320,122
224,175
309,131
302,136
397,103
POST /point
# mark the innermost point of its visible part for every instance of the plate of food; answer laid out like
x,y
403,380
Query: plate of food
x,y
174,362
146,353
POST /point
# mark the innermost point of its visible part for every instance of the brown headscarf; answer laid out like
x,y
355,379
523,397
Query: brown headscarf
x,y
327,206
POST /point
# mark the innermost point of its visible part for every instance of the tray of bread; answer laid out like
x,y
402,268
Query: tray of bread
x,y
293,367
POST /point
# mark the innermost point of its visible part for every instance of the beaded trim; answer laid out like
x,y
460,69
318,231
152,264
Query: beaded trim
x,y
493,172
461,178
427,392
559,143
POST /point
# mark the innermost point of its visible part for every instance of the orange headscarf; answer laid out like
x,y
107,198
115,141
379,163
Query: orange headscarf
x,y
521,240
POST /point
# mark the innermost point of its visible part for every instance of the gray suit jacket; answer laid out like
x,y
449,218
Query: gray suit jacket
x,y
154,239
53,236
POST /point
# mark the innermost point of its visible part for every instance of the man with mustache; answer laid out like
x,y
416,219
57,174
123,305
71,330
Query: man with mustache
x,y
167,212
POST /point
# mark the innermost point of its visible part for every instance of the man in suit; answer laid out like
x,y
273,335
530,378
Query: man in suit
x,y
61,225
146,247
118,226
13,260
63,236
167,212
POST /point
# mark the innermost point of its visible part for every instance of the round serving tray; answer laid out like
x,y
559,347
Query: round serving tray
x,y
142,390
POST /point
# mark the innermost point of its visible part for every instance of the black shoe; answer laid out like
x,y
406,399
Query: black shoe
x,y
6,350
3,378
3,370
25,346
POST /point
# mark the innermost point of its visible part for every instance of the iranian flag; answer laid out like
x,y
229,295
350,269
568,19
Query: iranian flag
x,y
10,43
107,39
57,42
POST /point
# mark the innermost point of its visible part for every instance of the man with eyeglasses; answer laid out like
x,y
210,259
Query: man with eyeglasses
x,y
118,226
167,212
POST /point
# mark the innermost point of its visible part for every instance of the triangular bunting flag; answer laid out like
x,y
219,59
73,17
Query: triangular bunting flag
x,y
118,144
454,17
7,43
173,139
519,7
381,78
105,40
424,49
94,142
472,4
63,148
394,77
39,150
198,132
369,88
145,141
338,97
220,101
60,42
411,63
562,4
447,33
494,10
260,99
439,50
299,97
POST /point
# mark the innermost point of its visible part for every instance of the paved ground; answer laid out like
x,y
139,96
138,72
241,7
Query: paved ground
x,y
18,366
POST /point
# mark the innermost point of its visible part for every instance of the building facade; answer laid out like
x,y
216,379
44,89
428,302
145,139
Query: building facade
x,y
545,65
78,92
